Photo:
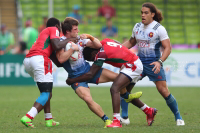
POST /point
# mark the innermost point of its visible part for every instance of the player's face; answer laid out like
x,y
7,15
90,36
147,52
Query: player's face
x,y
74,32
147,16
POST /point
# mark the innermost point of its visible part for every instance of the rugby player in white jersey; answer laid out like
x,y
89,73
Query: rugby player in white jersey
x,y
150,35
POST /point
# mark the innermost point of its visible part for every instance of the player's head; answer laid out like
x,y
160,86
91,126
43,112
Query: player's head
x,y
70,27
89,53
149,12
53,22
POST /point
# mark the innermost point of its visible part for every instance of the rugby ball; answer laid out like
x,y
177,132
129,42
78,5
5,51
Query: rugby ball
x,y
74,56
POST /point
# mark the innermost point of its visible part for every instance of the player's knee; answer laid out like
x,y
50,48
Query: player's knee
x,y
43,98
113,89
163,91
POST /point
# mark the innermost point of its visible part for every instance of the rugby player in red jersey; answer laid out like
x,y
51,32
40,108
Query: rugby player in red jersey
x,y
39,65
118,56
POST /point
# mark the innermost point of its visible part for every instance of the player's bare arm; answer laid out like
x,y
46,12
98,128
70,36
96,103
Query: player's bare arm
x,y
63,55
85,77
93,43
130,43
167,50
57,44
55,60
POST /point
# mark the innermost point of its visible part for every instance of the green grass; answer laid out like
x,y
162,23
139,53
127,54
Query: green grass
x,y
75,117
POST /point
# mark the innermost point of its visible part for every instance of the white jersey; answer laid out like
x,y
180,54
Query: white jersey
x,y
77,68
148,38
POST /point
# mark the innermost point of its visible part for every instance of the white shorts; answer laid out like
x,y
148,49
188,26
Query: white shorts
x,y
131,73
39,68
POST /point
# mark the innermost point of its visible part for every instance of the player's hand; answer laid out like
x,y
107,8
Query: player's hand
x,y
83,36
69,81
87,36
75,47
156,67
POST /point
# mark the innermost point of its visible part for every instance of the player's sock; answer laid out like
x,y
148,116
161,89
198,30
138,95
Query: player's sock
x,y
117,115
32,113
124,107
171,102
145,108
125,95
104,118
48,116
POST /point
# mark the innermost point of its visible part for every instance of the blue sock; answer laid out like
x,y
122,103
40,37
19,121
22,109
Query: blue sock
x,y
124,107
125,95
104,118
171,102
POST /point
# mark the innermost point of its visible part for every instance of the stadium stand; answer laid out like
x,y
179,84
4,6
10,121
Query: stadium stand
x,y
181,17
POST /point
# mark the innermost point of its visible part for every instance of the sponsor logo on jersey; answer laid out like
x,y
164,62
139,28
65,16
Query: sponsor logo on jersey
x,y
151,34
143,43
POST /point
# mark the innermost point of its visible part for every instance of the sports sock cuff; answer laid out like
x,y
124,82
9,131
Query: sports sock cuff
x,y
125,95
170,99
33,112
48,116
144,107
104,117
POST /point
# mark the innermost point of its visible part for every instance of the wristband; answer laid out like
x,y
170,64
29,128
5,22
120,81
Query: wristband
x,y
90,37
161,62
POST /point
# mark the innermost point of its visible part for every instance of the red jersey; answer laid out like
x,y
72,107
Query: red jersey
x,y
42,45
115,54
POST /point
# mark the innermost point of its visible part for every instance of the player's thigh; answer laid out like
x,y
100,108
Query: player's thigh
x,y
120,83
83,93
152,76
42,69
107,76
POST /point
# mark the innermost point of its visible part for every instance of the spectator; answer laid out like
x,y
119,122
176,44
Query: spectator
x,y
30,34
106,10
6,40
76,14
43,26
109,30
20,48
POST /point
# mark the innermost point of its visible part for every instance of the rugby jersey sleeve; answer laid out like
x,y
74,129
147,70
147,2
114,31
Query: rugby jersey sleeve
x,y
53,32
162,33
100,58
133,31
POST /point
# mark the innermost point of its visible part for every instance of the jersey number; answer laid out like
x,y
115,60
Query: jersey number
x,y
113,44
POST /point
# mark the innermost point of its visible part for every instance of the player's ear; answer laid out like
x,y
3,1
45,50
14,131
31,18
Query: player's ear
x,y
152,15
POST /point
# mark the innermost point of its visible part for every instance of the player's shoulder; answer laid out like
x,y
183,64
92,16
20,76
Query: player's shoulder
x,y
62,38
161,28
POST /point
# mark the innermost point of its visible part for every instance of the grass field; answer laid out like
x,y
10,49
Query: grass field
x,y
75,117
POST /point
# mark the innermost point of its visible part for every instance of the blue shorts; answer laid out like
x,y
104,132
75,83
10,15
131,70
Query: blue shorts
x,y
147,71
94,80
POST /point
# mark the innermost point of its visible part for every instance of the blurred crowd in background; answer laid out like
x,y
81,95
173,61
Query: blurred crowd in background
x,y
29,34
